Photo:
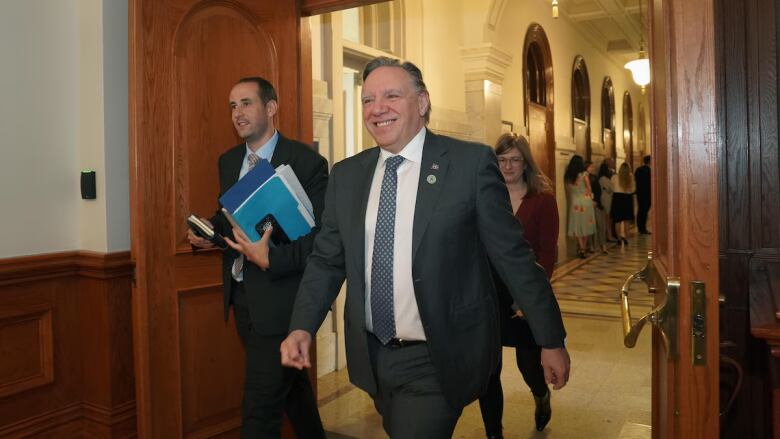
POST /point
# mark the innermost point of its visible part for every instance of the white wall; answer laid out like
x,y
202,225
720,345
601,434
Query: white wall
x,y
115,101
54,122
38,127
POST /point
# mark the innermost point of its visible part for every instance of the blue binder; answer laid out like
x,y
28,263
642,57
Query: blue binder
x,y
275,198
244,187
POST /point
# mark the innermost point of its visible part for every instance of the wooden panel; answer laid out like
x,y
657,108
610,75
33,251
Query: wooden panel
x,y
765,168
694,208
748,188
65,323
662,135
212,360
27,347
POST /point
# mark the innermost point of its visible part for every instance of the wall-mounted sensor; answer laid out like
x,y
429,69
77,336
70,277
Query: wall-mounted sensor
x,y
88,185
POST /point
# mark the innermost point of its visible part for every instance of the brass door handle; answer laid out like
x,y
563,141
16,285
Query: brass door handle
x,y
664,316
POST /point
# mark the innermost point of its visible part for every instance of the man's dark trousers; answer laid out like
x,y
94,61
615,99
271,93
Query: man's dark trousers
x,y
269,388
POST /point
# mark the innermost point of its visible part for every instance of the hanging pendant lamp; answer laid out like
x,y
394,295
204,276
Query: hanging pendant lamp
x,y
640,67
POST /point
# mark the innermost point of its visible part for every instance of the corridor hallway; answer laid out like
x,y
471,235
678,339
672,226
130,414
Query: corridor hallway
x,y
608,395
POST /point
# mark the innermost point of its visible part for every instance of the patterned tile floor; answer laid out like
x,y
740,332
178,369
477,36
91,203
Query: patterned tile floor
x,y
608,395
591,287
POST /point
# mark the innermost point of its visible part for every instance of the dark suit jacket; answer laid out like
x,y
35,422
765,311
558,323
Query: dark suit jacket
x,y
642,178
460,220
271,294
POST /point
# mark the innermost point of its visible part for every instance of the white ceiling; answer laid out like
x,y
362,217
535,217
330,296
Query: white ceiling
x,y
613,25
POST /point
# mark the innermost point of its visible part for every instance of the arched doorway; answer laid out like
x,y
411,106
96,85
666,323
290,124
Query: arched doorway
x,y
608,118
538,98
628,129
580,107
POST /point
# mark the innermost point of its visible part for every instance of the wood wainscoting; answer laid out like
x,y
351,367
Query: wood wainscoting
x,y
66,350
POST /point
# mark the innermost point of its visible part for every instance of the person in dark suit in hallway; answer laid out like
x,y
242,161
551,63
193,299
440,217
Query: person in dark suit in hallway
x,y
642,177
261,281
411,225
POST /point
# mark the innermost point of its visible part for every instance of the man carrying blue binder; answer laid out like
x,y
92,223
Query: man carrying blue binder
x,y
262,285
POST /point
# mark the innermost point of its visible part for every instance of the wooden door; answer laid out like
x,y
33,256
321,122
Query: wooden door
x,y
538,138
184,57
685,213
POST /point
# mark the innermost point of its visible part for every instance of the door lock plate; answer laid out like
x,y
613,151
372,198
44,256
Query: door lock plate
x,y
698,323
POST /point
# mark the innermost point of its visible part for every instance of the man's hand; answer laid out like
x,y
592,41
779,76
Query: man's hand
x,y
295,350
196,240
256,252
556,365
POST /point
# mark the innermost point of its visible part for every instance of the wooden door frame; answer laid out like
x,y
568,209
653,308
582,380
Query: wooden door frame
x,y
580,66
536,35
682,53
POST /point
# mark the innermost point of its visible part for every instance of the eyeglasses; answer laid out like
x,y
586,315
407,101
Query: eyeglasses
x,y
514,161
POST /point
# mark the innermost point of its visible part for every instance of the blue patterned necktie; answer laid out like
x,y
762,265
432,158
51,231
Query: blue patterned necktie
x,y
382,309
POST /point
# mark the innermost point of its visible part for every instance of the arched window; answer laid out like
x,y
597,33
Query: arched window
x,y
580,107
608,118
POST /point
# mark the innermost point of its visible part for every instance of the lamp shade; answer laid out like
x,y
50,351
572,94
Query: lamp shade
x,y
640,70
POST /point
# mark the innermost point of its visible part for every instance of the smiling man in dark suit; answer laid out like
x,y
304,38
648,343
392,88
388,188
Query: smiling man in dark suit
x,y
261,282
411,225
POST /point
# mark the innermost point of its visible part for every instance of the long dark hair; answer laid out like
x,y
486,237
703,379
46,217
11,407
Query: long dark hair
x,y
604,170
575,167
533,176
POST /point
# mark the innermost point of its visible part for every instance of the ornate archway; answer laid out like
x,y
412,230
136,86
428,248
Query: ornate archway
x,y
538,98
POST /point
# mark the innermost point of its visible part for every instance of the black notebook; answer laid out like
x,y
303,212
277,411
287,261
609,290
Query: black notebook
x,y
203,230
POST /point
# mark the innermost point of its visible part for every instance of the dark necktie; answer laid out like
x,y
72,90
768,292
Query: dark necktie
x,y
382,309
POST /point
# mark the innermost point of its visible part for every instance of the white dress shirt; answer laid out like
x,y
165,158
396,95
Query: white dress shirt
x,y
407,317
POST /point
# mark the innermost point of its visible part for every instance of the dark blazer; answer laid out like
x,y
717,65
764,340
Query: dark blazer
x,y
270,294
460,219
642,178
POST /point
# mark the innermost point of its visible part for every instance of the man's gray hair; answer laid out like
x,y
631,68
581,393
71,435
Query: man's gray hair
x,y
411,69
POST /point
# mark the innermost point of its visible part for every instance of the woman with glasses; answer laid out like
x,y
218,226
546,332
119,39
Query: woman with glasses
x,y
534,205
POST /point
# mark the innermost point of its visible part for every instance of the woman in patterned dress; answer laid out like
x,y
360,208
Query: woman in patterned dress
x,y
582,220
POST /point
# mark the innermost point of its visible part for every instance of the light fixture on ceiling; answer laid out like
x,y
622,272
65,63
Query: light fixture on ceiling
x,y
555,8
640,67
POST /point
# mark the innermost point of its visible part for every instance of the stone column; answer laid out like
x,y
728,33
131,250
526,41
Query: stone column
x,y
484,66
323,113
